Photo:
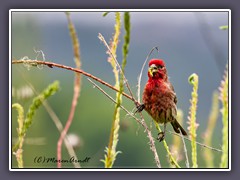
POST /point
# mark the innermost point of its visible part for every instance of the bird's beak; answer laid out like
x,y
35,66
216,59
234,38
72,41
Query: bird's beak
x,y
152,69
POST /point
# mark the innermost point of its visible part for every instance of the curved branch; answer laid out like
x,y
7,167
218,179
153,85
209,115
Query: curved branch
x,y
51,65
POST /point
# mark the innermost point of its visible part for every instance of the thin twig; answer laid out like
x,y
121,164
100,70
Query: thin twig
x,y
203,145
59,126
125,79
141,72
67,126
152,144
51,65
142,122
185,149
76,88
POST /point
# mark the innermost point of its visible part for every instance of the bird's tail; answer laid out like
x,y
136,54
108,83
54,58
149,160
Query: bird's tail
x,y
176,125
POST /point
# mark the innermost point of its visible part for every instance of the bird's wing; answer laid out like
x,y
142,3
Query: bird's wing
x,y
175,97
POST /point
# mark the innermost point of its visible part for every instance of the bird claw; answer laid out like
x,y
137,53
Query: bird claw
x,y
161,136
140,108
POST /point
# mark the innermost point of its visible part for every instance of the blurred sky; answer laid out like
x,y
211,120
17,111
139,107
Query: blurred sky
x,y
189,42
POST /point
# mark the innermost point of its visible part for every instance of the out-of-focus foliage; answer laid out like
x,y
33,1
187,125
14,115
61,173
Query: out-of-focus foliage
x,y
176,38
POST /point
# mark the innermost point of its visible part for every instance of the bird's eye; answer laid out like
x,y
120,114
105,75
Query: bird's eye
x,y
160,67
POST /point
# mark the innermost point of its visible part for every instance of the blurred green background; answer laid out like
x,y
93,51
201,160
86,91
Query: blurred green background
x,y
189,42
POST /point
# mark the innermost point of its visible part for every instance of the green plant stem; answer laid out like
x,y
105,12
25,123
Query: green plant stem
x,y
224,27
20,120
193,80
224,111
37,102
171,158
208,155
24,125
111,152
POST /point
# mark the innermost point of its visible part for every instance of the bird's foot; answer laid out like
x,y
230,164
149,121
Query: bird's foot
x,y
161,136
140,108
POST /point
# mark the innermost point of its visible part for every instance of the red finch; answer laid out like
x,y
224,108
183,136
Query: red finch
x,y
159,98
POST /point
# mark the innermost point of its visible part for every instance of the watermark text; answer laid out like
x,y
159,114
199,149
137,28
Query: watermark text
x,y
46,160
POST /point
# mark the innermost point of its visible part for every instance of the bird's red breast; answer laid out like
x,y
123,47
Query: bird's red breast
x,y
159,98
158,95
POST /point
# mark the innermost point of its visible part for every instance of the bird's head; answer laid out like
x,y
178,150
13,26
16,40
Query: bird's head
x,y
157,69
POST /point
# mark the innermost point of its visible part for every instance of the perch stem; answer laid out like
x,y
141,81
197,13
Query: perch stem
x,y
51,64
